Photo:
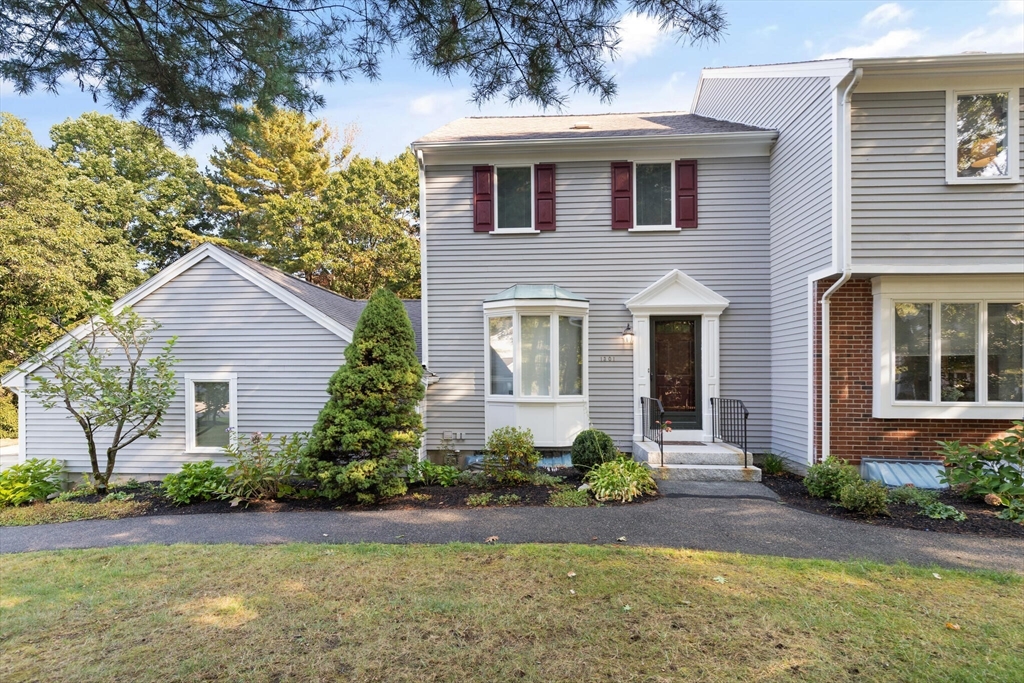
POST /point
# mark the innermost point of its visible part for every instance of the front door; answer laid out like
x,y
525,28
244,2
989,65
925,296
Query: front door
x,y
675,369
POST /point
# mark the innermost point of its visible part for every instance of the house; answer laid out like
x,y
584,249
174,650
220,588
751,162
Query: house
x,y
838,245
258,342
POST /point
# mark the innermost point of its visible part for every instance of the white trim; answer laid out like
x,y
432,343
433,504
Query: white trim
x,y
424,346
17,387
540,413
1012,136
530,229
816,68
1014,268
980,290
190,413
599,148
676,293
206,250
671,225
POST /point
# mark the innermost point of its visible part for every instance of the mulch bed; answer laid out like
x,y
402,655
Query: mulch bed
x,y
982,519
418,498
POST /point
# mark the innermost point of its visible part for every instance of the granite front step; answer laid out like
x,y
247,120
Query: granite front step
x,y
689,454
706,473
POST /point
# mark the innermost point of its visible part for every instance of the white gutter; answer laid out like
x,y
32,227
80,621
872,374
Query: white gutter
x,y
585,140
844,244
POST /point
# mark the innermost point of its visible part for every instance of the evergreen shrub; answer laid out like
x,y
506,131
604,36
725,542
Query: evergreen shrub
x,y
590,448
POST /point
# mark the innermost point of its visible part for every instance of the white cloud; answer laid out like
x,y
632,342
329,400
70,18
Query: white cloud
x,y
438,102
892,44
883,14
639,37
1008,8
985,39
767,30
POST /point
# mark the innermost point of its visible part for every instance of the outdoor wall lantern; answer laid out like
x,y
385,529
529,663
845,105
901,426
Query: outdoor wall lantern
x,y
627,334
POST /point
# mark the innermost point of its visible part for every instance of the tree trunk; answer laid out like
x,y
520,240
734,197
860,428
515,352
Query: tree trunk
x,y
99,480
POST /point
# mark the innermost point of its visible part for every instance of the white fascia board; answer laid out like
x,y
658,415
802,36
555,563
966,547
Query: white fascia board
x,y
1010,268
821,68
600,148
206,250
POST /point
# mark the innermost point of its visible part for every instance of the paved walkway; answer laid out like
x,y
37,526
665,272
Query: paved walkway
x,y
684,519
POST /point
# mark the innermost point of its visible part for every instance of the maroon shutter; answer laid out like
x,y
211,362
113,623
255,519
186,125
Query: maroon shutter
x,y
686,193
483,198
544,193
622,195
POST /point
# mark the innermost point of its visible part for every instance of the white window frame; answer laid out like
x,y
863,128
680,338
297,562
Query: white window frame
x,y
671,227
1012,136
502,309
190,408
533,203
980,290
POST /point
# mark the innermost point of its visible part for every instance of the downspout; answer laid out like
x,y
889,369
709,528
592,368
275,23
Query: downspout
x,y
845,246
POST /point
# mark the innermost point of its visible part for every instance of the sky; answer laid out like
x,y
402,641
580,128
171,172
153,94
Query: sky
x,y
653,72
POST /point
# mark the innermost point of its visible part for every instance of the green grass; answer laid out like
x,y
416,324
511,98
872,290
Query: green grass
x,y
496,613
68,511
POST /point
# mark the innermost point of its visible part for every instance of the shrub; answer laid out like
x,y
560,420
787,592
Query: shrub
x,y
33,479
476,480
865,497
260,471
620,479
510,455
196,481
993,467
570,498
427,473
1014,510
478,500
590,448
544,479
826,479
773,465
937,510
371,413
911,495
509,499
368,480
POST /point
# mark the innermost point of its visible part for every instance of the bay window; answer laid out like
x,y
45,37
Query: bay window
x,y
949,353
535,362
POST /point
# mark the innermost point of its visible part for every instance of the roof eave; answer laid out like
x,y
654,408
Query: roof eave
x,y
746,136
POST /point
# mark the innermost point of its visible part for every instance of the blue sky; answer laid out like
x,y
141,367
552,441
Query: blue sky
x,y
653,72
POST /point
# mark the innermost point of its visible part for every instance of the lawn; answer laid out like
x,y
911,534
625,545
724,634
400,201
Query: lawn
x,y
495,613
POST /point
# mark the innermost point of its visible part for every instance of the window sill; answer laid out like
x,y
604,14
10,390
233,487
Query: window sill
x,y
983,181
515,231
205,451
655,228
970,411
535,399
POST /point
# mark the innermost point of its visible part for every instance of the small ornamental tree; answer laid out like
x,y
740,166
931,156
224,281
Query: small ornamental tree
x,y
374,395
108,386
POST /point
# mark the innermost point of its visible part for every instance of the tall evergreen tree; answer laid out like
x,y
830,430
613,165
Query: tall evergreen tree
x,y
372,409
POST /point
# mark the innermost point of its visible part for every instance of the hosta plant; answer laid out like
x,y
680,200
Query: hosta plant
x,y
621,479
31,480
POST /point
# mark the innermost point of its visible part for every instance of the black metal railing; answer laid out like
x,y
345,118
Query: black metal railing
x,y
653,419
729,424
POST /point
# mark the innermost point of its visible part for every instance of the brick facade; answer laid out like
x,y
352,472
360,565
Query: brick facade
x,y
854,433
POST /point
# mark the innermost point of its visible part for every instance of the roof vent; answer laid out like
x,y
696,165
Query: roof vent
x,y
581,125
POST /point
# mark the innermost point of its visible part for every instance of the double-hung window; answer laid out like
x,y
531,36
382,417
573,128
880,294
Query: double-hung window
x,y
653,192
982,136
211,416
514,185
950,354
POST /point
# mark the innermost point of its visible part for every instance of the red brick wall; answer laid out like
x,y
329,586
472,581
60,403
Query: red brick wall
x,y
854,433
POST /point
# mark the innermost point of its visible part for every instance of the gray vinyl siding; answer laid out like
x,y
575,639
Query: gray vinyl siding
x,y
728,252
904,213
224,323
800,109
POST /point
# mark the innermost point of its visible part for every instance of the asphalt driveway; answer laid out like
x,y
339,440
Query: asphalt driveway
x,y
753,525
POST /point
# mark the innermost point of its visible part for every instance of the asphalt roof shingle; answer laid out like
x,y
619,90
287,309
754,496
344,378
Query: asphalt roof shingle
x,y
335,306
644,124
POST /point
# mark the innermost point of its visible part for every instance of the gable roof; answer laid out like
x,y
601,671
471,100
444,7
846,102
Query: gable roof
x,y
568,127
334,312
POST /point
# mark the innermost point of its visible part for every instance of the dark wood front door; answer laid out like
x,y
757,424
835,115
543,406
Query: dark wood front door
x,y
675,369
